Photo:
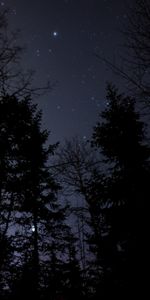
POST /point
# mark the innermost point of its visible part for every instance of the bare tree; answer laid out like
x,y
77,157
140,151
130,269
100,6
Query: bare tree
x,y
134,62
74,168
13,79
74,164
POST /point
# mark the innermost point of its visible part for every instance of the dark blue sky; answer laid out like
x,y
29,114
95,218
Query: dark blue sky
x,y
61,37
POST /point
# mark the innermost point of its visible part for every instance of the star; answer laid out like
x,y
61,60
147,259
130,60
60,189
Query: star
x,y
32,228
55,33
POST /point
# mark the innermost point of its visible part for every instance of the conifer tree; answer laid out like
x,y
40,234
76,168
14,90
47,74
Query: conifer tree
x,y
29,209
120,136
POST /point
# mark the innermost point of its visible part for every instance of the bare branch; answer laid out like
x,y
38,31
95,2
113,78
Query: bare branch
x,y
13,80
134,64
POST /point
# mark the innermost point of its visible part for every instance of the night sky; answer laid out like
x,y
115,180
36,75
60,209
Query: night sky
x,y
62,37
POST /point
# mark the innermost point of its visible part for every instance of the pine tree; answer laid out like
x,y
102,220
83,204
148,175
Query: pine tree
x,y
28,191
120,137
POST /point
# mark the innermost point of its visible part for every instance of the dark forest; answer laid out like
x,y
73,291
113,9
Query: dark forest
x,y
73,215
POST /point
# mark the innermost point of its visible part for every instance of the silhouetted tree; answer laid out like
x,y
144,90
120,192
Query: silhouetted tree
x,y
120,136
74,166
137,42
13,79
29,209
73,285
30,217
63,279
133,63
80,168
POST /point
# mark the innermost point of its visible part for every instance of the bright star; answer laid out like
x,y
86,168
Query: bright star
x,y
55,33
33,228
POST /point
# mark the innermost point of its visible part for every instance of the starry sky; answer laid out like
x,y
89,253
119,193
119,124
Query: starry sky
x,y
61,38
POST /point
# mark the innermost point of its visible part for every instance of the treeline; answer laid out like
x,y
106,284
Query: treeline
x,y
73,217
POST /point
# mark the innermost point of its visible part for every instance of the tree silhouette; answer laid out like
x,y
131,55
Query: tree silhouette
x,y
29,209
120,137
133,66
13,79
137,42
74,166
80,170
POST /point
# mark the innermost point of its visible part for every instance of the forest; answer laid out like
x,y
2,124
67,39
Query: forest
x,y
74,216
